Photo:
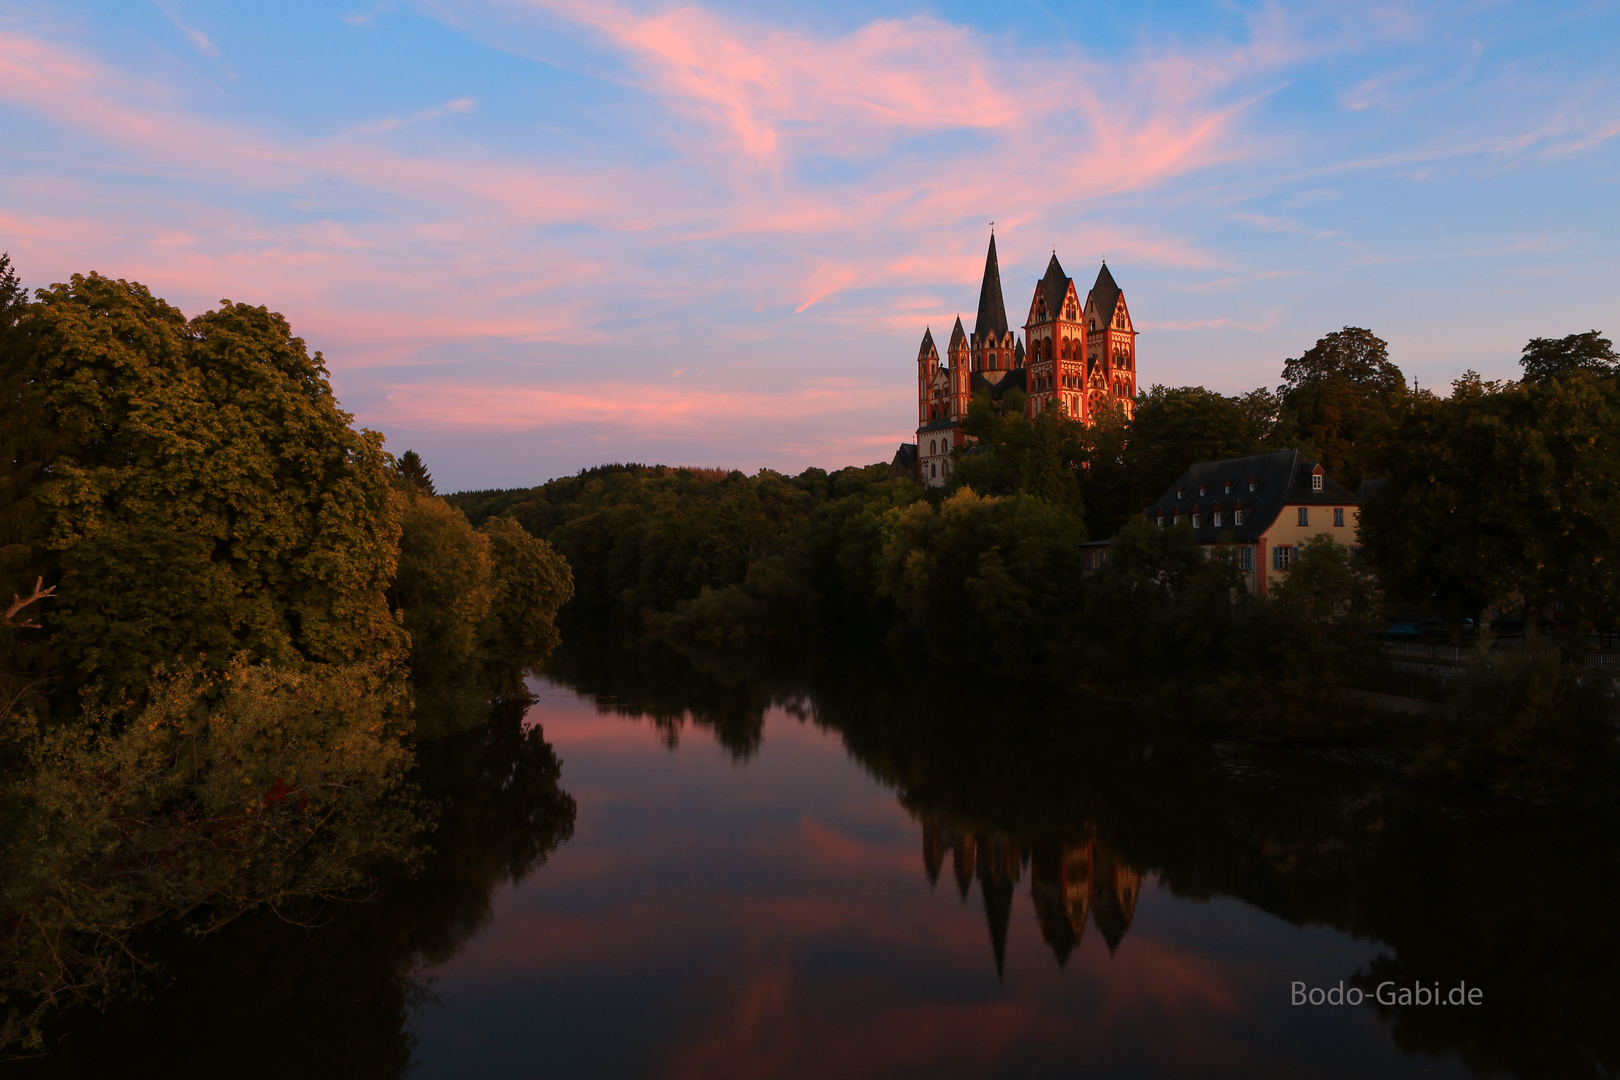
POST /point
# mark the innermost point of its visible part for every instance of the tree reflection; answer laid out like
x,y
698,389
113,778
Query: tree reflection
x,y
329,990
1087,799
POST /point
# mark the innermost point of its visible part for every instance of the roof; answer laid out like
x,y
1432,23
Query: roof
x,y
958,335
1281,478
906,454
1018,353
927,345
1105,294
939,425
1008,380
1054,286
992,318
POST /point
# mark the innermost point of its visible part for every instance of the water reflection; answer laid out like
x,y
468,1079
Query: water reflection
x,y
332,990
1072,885
1095,884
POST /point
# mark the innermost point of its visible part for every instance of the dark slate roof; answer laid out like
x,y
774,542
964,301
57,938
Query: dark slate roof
x,y
1281,478
992,318
907,454
1054,286
1012,378
940,425
1105,295
1018,353
957,333
904,465
927,344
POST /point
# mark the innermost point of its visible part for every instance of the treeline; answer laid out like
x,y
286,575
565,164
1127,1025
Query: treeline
x,y
235,615
1501,493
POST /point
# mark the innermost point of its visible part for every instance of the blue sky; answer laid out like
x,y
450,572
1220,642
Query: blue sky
x,y
533,236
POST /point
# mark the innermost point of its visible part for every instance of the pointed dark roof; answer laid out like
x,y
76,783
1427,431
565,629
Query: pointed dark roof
x,y
1105,294
992,318
927,344
997,892
958,335
1018,353
1054,286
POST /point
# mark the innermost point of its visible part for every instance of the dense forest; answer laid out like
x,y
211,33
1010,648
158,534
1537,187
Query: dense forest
x,y
1500,494
235,618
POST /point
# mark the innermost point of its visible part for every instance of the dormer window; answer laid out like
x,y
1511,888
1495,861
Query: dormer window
x,y
1217,516
1178,493
1237,517
1161,520
1202,490
1251,483
1195,518
1316,482
1226,488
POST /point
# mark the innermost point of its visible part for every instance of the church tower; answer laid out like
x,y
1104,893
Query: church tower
x,y
1110,346
993,345
1075,356
1055,368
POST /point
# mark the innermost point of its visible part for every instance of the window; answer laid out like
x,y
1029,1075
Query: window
x,y
1282,556
1202,490
1246,559
1195,517
1251,483
1178,493
1304,515
1226,488
1338,516
933,447
1217,519
1161,520
1237,517
933,470
1316,482
1176,518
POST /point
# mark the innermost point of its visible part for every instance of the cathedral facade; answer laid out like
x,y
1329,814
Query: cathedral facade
x,y
1075,355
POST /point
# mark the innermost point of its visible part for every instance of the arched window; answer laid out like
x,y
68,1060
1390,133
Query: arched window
x,y
933,470
933,447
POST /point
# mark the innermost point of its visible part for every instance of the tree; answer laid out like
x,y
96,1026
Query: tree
x,y
1339,399
192,489
1547,358
1504,492
1178,426
413,473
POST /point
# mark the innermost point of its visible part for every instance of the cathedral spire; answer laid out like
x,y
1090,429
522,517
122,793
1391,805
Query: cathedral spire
x,y
992,319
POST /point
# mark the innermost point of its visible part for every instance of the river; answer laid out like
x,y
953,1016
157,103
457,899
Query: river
x,y
655,871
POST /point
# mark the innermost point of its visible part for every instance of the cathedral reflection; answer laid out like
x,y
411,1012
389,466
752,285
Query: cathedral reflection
x,y
1071,884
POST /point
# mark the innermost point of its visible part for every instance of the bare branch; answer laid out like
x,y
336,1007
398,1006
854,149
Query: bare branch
x,y
20,602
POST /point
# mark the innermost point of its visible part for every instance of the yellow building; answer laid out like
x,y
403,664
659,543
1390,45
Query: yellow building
x,y
1266,505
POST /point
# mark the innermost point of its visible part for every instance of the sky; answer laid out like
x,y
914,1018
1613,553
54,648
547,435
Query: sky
x,y
530,236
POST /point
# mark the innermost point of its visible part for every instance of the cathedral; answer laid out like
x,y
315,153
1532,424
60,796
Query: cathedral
x,y
1073,355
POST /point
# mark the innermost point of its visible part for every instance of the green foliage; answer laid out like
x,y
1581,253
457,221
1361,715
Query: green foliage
x,y
480,606
1339,400
530,582
1326,589
984,577
192,489
227,791
1178,426
1549,358
1012,454
1503,490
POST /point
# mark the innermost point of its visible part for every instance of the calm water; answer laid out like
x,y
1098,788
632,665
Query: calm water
x,y
660,873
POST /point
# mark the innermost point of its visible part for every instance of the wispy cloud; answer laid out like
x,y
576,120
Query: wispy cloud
x,y
198,39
